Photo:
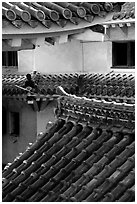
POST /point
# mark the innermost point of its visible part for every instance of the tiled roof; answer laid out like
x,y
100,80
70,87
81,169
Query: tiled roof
x,y
74,162
111,86
46,85
48,13
85,109
127,12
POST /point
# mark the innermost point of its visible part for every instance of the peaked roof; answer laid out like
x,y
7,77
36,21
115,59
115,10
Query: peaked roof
x,y
74,162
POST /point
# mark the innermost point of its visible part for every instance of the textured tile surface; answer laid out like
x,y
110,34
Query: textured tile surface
x,y
111,86
50,14
73,162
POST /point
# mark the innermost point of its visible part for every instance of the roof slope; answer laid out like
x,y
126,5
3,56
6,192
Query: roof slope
x,y
111,86
73,162
50,13
127,12
91,158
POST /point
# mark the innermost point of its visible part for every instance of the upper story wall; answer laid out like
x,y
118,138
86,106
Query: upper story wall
x,y
60,58
97,56
75,55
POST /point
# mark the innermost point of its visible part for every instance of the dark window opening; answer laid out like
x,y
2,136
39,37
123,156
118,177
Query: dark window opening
x,y
4,121
123,54
9,58
14,123
132,54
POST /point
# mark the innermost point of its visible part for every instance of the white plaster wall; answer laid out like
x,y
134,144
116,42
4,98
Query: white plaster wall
x,y
26,61
43,117
11,147
97,57
60,58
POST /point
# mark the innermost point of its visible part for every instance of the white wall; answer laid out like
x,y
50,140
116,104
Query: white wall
x,y
68,57
26,61
43,117
31,124
12,146
97,56
60,58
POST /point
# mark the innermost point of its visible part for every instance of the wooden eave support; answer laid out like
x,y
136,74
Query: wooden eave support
x,y
40,41
33,23
15,42
107,31
61,39
128,24
62,23
5,23
47,23
44,104
123,28
35,106
75,20
18,23
89,18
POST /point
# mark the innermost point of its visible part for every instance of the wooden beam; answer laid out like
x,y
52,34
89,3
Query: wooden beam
x,y
62,39
44,104
18,23
46,35
107,32
40,41
123,29
47,23
35,106
113,25
5,23
16,42
33,23
28,43
128,24
88,35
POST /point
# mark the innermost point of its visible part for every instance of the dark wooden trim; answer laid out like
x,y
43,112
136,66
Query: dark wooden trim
x,y
123,67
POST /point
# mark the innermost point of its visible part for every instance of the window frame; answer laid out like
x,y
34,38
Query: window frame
x,y
13,129
4,127
10,59
129,60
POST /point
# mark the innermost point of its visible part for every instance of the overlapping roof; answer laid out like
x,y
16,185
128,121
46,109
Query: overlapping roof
x,y
111,86
50,13
124,17
127,12
76,161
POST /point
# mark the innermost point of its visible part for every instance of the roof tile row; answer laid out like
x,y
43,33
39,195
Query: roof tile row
x,y
109,87
73,162
46,13
127,12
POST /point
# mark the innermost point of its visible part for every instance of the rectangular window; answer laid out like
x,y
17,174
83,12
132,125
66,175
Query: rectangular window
x,y
10,58
14,123
4,121
123,54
